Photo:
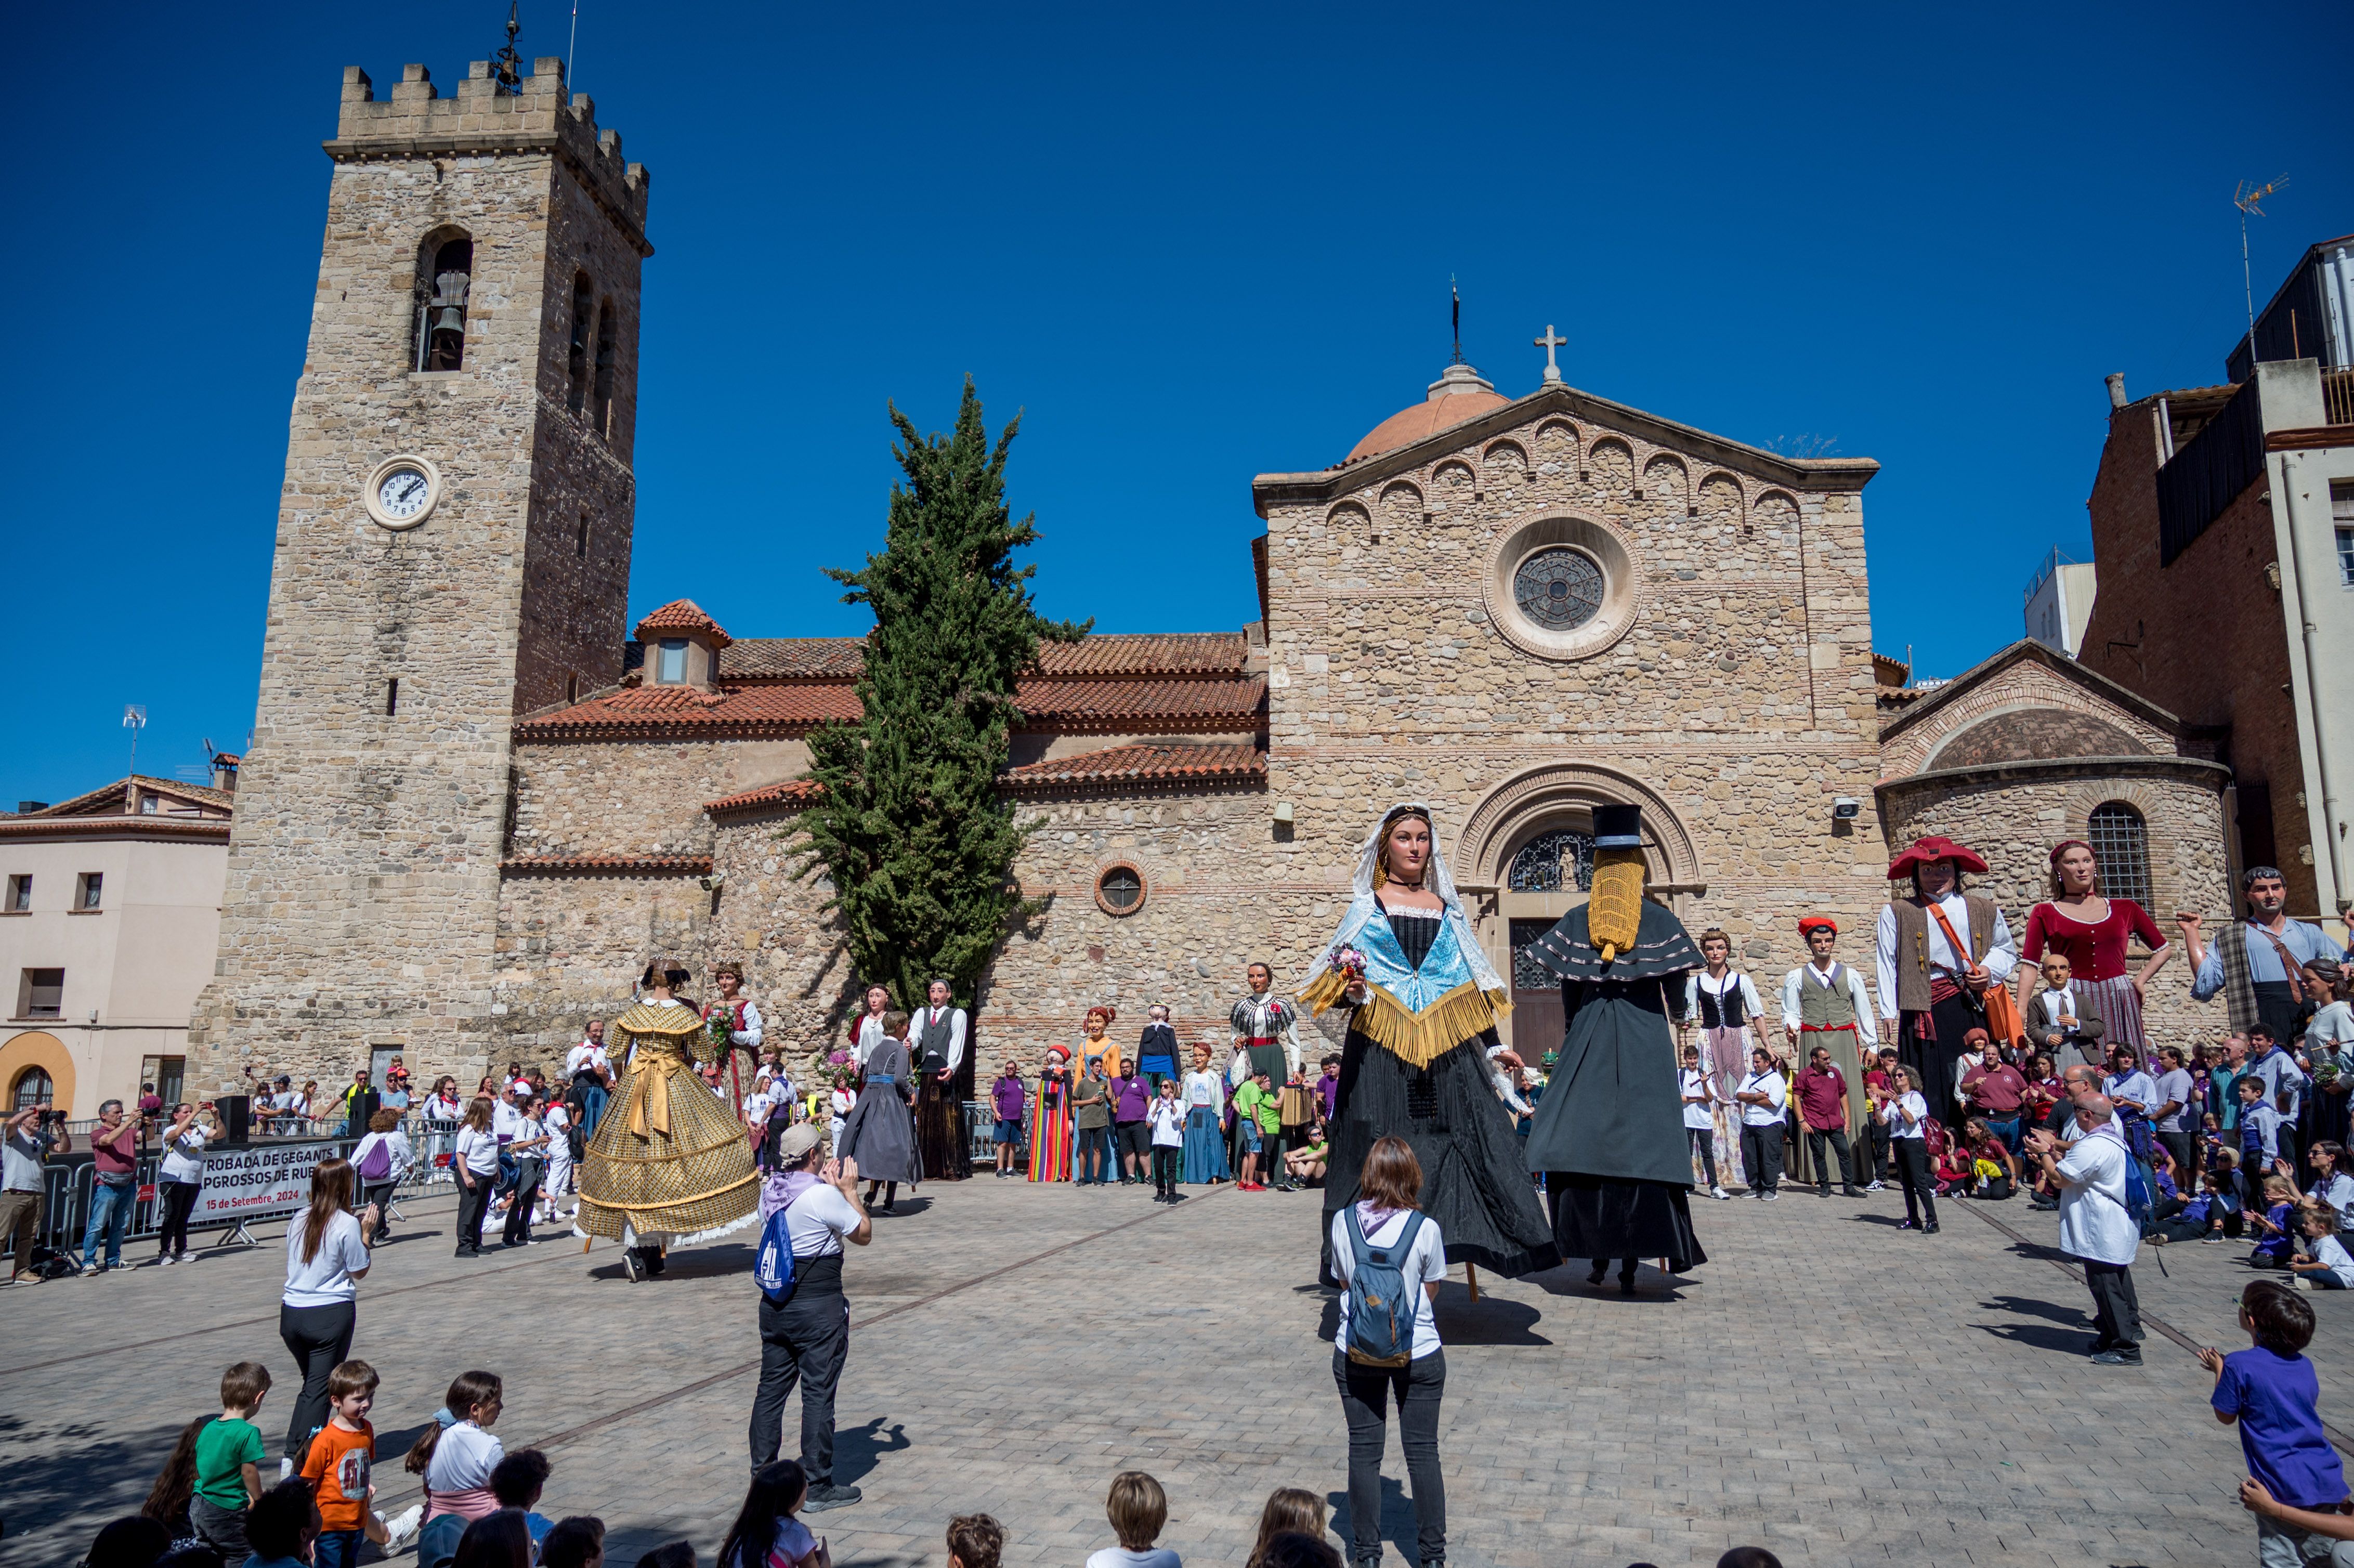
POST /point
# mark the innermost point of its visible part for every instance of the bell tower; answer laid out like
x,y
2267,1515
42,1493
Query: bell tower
x,y
452,550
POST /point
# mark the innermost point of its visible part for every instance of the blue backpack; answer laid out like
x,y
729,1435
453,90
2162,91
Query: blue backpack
x,y
1381,1301
772,1269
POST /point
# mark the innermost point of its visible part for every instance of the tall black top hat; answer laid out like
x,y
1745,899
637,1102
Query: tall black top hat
x,y
1618,827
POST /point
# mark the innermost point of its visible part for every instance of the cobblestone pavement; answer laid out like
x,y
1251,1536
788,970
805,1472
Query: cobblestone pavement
x,y
1826,1385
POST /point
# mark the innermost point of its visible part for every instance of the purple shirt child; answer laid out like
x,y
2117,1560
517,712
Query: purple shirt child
x,y
2281,1435
1328,1093
1011,1098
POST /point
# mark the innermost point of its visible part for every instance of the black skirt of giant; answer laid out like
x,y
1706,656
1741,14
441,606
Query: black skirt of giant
x,y
1609,1130
1473,1184
879,1133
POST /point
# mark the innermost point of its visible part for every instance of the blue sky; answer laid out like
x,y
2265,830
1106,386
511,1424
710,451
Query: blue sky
x,y
1192,245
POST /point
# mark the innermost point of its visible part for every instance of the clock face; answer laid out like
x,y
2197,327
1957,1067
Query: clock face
x,y
402,493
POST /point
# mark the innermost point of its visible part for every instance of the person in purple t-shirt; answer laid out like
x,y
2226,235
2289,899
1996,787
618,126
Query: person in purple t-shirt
x,y
1131,1098
1328,1087
1011,1099
2272,1391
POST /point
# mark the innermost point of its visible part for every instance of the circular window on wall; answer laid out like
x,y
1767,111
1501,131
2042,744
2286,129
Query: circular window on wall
x,y
1559,589
1562,587
1120,889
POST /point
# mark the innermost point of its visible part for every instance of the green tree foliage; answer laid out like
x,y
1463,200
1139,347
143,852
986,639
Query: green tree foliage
x,y
909,827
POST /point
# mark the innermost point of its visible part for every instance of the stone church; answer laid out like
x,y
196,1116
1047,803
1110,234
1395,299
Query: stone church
x,y
477,800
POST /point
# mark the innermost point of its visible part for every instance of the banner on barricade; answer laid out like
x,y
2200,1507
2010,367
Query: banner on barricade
x,y
259,1182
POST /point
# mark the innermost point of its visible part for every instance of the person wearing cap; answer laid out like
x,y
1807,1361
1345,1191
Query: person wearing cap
x,y
805,1339
1939,950
1824,1003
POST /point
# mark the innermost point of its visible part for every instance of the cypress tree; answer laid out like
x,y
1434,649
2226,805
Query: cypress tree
x,y
909,826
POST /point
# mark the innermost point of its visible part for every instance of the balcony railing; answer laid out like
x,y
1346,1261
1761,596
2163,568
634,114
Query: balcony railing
x,y
2337,397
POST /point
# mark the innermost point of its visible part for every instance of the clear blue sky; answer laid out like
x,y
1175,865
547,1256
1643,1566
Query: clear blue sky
x,y
1191,244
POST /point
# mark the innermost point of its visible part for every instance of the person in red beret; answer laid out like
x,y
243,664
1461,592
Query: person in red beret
x,y
1940,948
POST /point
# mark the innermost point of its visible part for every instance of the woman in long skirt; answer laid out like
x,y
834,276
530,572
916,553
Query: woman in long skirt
x,y
880,1131
2091,932
1205,1158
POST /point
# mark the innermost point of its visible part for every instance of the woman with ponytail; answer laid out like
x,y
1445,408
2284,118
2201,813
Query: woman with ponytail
x,y
326,1257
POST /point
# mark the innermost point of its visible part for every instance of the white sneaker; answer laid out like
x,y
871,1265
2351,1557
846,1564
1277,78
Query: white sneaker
x,y
285,1468
1769,1197
1875,1187
1720,1193
401,1528
166,1261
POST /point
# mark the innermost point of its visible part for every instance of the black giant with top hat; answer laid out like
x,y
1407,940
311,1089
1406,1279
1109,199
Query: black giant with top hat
x,y
1618,827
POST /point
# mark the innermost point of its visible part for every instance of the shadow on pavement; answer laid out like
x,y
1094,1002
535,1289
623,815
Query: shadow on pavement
x,y
89,1472
857,1449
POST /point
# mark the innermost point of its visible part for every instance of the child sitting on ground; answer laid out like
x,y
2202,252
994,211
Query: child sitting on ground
x,y
283,1526
766,1535
2274,1240
1137,1507
516,1482
228,1464
2273,1392
1289,1511
975,1541
2327,1265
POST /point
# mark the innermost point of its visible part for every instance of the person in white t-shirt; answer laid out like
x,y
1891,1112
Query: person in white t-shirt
x,y
557,1120
1138,1509
326,1257
1698,1089
1387,1190
179,1179
474,1160
1906,1113
2096,1229
805,1338
1762,1095
2327,1265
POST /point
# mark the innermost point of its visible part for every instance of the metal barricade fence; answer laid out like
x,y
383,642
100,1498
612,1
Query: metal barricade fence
x,y
65,1198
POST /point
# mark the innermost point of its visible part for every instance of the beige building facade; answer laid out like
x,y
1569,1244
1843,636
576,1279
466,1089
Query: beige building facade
x,y
1515,609
110,915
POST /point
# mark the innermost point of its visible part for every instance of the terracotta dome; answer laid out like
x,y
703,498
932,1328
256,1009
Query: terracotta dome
x,y
1460,394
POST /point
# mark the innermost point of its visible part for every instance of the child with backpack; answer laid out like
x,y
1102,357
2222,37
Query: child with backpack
x,y
381,1162
1390,1258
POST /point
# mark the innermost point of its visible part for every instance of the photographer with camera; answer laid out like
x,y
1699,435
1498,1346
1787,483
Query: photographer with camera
x,y
33,1135
114,1186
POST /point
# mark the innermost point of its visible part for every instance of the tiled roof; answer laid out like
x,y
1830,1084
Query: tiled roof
x,y
645,711
682,615
1091,703
792,658
1142,764
1167,654
608,865
790,793
107,799
96,825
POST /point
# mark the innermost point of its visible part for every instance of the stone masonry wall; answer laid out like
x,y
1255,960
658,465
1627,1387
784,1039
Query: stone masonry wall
x,y
636,797
2012,816
1741,697
1914,741
362,899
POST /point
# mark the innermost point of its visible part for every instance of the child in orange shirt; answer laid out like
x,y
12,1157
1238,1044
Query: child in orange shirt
x,y
341,1455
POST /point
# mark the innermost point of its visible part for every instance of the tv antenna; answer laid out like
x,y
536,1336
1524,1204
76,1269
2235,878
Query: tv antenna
x,y
2249,199
134,719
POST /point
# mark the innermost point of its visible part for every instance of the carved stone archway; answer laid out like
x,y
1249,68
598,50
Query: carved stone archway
x,y
1552,796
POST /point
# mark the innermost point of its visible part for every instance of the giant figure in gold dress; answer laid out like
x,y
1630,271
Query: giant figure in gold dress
x,y
670,1165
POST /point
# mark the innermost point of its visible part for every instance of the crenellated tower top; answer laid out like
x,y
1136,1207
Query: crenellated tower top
x,y
487,118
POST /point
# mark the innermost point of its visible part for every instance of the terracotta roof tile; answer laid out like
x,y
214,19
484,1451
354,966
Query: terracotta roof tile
x,y
608,865
682,615
1168,654
646,712
1142,764
790,793
791,658
1067,703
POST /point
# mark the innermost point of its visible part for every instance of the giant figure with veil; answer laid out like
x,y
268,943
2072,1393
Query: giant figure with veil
x,y
1423,1002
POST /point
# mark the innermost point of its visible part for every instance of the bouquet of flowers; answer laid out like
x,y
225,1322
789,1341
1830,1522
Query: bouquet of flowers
x,y
1350,962
720,1024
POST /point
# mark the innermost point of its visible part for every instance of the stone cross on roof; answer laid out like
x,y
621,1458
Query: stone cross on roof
x,y
1549,342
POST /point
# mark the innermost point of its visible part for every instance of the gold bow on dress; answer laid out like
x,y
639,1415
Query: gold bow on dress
x,y
650,1090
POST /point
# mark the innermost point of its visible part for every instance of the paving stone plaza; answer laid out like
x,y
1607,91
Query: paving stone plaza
x,y
1826,1386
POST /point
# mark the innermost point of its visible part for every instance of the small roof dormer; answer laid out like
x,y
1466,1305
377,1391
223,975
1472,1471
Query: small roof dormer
x,y
682,646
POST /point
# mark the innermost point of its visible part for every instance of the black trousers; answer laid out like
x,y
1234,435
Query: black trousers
x,y
474,1202
1761,1155
1912,1175
2116,1310
321,1341
1704,1142
1837,1138
527,1194
1364,1397
378,1196
1875,1147
804,1341
1164,1168
179,1202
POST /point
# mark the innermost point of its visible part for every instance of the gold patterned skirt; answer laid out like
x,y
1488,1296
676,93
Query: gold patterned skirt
x,y
669,1165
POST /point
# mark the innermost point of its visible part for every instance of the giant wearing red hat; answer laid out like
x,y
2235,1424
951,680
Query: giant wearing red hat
x,y
1940,948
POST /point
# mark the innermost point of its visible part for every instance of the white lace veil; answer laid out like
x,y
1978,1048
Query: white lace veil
x,y
1437,877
